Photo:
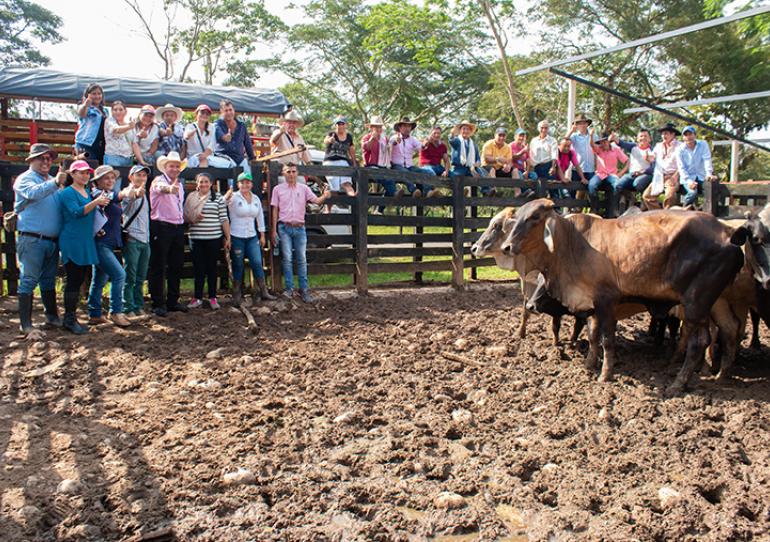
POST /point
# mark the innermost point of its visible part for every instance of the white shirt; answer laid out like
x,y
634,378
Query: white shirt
x,y
118,144
243,214
146,142
641,159
543,150
198,136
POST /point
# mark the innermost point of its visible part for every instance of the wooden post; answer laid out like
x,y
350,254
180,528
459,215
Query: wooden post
x,y
735,158
458,227
474,214
419,210
3,108
711,197
361,277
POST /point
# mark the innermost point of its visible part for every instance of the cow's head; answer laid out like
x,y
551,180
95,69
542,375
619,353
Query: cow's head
x,y
755,232
530,230
491,241
543,302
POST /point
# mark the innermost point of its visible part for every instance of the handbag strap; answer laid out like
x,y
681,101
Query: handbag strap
x,y
133,217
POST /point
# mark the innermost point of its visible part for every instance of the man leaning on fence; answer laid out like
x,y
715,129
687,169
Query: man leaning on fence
x,y
39,222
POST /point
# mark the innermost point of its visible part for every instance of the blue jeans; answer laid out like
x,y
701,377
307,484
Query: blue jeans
x,y
637,183
532,176
137,257
465,171
293,248
94,152
39,260
109,267
118,161
595,183
242,248
409,186
691,195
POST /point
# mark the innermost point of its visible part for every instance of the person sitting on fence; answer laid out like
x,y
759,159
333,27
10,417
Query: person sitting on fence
x,y
136,246
582,145
38,223
118,137
146,136
542,152
403,145
376,152
89,138
665,177
232,138
434,156
466,159
289,200
520,155
167,235
607,176
287,137
206,212
245,207
566,162
695,166
199,140
171,130
107,230
497,157
641,162
340,152
76,240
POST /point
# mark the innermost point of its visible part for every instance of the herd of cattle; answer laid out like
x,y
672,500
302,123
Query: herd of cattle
x,y
689,268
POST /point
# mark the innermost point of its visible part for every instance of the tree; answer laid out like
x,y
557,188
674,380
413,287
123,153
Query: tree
x,y
25,25
219,36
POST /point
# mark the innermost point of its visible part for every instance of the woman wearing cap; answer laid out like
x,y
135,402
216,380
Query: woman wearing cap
x,y
146,137
89,139
118,137
199,138
340,151
245,208
76,239
171,130
206,212
136,250
108,240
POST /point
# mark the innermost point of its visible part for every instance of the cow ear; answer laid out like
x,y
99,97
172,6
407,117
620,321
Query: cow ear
x,y
548,236
740,236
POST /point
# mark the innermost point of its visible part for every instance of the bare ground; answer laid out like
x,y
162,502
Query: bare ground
x,y
352,418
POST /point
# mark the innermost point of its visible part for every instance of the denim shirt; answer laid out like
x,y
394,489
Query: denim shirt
x,y
694,164
238,146
88,126
582,145
37,204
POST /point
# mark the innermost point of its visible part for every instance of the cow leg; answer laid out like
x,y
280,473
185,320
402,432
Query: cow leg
x,y
522,331
673,327
593,344
580,323
697,341
608,329
755,342
555,328
729,337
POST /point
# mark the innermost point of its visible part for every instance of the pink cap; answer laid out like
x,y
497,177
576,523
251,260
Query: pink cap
x,y
203,107
148,109
80,165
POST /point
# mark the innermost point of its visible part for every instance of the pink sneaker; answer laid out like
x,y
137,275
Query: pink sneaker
x,y
214,303
194,304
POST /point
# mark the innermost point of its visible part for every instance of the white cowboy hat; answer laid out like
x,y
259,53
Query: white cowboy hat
x,y
376,121
466,123
169,107
173,156
292,115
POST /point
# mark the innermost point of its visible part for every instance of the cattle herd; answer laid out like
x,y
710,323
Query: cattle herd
x,y
699,275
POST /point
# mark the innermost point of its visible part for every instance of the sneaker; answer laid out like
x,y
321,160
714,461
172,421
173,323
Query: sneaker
x,y
119,319
288,294
214,303
177,307
306,297
131,314
98,320
194,304
160,311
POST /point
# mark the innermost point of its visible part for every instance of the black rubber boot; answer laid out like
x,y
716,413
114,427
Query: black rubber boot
x,y
51,310
70,320
237,293
594,201
25,313
264,292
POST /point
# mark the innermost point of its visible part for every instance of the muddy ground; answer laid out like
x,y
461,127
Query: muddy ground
x,y
350,420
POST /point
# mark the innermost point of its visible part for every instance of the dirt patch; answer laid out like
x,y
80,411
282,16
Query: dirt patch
x,y
348,421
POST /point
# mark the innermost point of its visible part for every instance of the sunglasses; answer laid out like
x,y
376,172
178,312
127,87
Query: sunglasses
x,y
46,158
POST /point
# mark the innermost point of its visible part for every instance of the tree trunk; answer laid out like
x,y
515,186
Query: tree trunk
x,y
494,26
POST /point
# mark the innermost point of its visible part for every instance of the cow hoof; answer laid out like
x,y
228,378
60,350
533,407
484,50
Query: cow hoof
x,y
723,378
674,389
605,378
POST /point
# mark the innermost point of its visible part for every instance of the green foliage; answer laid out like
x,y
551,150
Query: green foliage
x,y
24,26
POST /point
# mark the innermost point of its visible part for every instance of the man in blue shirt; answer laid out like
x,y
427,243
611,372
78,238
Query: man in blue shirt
x,y
232,136
581,144
39,222
693,161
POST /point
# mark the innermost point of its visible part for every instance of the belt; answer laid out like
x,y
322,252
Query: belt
x,y
39,236
293,224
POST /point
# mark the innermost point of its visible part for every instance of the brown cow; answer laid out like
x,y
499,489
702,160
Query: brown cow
x,y
659,258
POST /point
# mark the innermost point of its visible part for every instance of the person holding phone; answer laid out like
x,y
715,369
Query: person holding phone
x,y
89,138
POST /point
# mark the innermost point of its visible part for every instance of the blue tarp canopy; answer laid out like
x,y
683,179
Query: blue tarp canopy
x,y
50,85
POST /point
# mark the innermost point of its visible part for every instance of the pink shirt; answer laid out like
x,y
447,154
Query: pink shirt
x,y
607,161
291,201
566,158
401,153
521,162
166,207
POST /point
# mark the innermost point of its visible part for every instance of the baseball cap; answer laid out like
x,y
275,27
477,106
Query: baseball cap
x,y
521,131
501,130
689,129
245,176
139,167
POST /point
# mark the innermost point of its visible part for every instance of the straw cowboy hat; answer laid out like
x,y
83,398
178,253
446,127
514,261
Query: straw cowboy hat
x,y
582,117
173,156
40,149
376,121
292,115
467,123
669,127
101,171
404,120
170,107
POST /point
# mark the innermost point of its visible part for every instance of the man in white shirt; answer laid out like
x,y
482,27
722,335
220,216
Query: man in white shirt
x,y
543,151
666,176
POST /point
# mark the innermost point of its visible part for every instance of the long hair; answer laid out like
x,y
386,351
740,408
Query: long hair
x,y
92,87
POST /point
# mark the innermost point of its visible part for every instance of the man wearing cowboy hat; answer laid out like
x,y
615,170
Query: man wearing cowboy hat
x,y
665,178
403,146
581,144
376,153
466,158
167,234
171,130
39,222
694,165
286,137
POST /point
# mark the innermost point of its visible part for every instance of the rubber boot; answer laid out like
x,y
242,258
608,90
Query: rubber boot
x,y
594,201
25,313
51,311
237,293
70,320
264,292
613,203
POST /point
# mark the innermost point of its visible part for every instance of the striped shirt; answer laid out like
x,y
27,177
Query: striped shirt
x,y
214,215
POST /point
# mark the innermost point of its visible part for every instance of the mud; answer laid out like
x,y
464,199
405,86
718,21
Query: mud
x,y
368,419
